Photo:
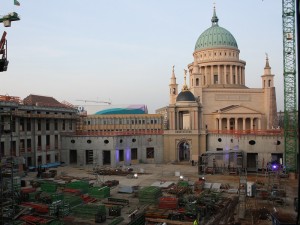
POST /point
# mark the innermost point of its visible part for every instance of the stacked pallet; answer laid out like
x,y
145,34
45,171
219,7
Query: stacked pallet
x,y
73,200
78,185
49,187
168,203
99,192
89,211
149,194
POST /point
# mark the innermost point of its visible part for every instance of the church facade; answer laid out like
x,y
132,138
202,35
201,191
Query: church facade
x,y
216,112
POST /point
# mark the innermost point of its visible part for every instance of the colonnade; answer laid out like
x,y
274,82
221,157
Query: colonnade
x,y
223,74
238,123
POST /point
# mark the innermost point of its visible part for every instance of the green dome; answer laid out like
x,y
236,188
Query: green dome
x,y
215,37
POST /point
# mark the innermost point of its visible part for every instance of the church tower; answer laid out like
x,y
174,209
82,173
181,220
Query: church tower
x,y
269,96
173,86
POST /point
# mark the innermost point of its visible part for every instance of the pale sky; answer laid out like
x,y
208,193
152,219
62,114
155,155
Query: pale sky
x,y
123,50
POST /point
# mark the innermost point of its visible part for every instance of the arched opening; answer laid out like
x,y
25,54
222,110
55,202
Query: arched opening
x,y
184,151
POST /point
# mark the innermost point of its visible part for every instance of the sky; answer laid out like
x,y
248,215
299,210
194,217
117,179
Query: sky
x,y
123,51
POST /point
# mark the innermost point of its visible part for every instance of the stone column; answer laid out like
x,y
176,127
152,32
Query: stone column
x,y
251,123
219,75
228,123
236,75
241,79
236,124
211,74
244,124
231,75
205,76
225,75
259,123
220,124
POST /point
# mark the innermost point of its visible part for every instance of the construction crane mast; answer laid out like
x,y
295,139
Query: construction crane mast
x,y
289,74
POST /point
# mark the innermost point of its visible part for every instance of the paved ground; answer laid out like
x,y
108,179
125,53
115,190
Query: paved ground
x,y
150,173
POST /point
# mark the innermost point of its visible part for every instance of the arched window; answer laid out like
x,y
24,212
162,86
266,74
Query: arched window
x,y
197,81
269,83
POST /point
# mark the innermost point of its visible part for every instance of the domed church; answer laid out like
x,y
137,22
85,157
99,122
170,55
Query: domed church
x,y
215,112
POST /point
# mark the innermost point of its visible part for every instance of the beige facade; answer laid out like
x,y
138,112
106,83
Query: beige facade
x,y
217,102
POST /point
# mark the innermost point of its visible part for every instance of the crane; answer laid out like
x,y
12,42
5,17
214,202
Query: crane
x,y
107,102
289,75
3,52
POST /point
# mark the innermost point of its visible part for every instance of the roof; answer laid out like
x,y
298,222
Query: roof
x,y
185,96
45,101
215,37
130,109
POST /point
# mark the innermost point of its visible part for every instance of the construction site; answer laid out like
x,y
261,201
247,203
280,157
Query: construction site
x,y
226,164
146,194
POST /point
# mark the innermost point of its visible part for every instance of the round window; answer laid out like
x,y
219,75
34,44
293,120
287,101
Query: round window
x,y
133,140
72,141
106,141
219,139
252,142
89,141
121,141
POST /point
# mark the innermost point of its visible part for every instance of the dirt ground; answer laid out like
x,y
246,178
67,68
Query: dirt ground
x,y
150,173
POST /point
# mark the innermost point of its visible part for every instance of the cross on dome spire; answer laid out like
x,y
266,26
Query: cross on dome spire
x,y
214,19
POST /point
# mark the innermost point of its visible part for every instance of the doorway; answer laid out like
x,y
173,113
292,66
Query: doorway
x,y
184,151
73,156
106,157
252,162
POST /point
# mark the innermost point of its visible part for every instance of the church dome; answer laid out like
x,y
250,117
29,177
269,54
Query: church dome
x,y
185,96
215,37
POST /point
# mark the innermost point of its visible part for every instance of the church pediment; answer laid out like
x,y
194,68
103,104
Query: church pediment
x,y
237,109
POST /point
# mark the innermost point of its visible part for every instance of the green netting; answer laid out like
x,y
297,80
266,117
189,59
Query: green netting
x,y
149,194
89,210
80,185
99,192
49,187
183,184
73,200
116,221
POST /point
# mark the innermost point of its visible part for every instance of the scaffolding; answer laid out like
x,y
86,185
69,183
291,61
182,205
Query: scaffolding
x,y
224,162
242,193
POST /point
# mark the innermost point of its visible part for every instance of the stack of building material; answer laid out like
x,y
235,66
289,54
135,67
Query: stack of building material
x,y
64,209
99,192
73,200
149,194
49,187
78,185
89,211
183,183
14,182
168,203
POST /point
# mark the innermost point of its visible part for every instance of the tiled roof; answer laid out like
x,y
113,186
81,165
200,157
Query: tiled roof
x,y
38,100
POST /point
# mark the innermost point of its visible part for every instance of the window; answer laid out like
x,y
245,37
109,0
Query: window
x,y
39,124
55,125
47,125
134,154
150,153
28,124
197,81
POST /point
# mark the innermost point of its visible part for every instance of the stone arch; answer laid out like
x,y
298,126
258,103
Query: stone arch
x,y
184,150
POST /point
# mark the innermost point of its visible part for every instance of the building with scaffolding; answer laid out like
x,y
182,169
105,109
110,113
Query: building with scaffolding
x,y
31,128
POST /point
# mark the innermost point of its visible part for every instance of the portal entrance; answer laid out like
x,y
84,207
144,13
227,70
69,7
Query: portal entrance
x,y
184,151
